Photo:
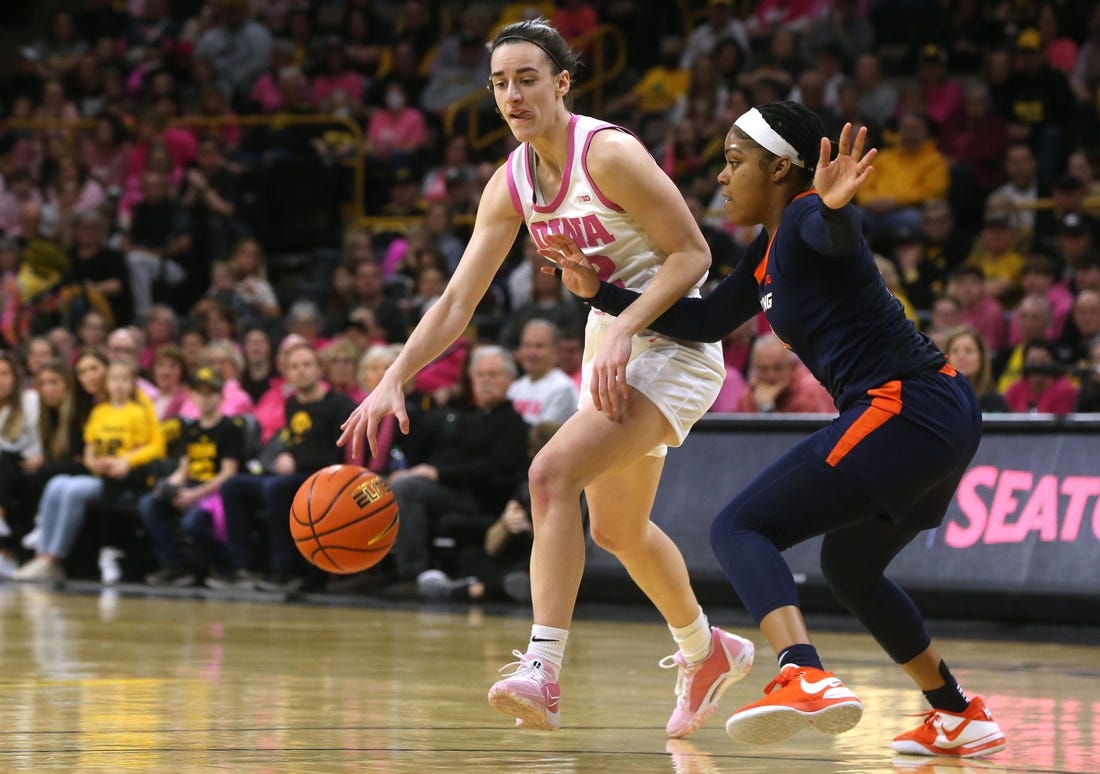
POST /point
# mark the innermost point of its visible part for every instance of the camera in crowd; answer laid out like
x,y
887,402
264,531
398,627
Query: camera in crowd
x,y
165,491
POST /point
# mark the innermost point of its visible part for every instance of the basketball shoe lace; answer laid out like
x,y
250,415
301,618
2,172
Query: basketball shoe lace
x,y
529,692
700,684
530,670
967,734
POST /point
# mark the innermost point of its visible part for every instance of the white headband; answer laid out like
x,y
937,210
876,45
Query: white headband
x,y
757,128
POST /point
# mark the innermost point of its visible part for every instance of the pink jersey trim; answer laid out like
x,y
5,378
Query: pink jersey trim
x,y
566,171
513,190
584,165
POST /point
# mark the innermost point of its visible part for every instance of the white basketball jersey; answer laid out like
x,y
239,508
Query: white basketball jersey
x,y
611,239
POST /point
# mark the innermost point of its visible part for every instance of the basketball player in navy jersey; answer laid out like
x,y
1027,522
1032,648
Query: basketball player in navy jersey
x,y
576,175
871,480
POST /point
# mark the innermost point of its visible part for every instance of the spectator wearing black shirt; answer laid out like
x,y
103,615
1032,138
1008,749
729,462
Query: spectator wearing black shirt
x,y
1067,218
369,291
159,239
1041,103
313,415
97,272
213,447
259,367
926,257
1088,398
474,457
212,196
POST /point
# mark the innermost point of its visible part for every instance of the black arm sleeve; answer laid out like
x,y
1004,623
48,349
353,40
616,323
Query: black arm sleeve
x,y
731,303
835,233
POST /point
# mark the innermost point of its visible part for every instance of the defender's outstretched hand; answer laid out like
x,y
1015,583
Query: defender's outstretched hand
x,y
577,273
386,398
838,180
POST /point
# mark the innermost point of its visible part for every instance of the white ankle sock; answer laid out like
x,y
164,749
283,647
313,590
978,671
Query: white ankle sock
x,y
693,639
548,644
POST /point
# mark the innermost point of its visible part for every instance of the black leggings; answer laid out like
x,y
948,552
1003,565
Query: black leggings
x,y
799,497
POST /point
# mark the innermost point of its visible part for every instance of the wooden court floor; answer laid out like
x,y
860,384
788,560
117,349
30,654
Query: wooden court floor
x,y
121,682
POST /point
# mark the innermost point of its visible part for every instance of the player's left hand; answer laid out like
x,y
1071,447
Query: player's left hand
x,y
837,181
576,272
608,385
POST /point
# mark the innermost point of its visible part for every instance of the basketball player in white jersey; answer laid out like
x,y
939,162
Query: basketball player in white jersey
x,y
597,184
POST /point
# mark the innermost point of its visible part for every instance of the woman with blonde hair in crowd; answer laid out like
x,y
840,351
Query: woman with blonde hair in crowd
x,y
966,350
61,433
224,357
340,361
121,436
372,366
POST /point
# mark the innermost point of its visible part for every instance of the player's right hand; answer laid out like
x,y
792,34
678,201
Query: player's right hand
x,y
576,272
386,398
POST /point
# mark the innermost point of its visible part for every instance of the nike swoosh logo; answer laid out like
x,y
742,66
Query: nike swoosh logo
x,y
541,639
552,698
820,686
953,735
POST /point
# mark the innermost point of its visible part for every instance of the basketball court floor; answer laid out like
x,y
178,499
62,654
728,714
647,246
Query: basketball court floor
x,y
116,681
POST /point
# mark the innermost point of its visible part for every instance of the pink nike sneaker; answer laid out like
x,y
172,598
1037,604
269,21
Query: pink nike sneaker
x,y
530,693
699,686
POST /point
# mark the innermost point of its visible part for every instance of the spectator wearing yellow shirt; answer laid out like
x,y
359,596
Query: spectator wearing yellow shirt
x,y
661,86
121,436
997,255
905,176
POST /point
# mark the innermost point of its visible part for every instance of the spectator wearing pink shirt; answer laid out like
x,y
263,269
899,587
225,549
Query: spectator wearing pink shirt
x,y
1039,277
942,94
396,130
265,92
979,310
1041,389
778,382
18,192
733,390
335,75
270,408
152,130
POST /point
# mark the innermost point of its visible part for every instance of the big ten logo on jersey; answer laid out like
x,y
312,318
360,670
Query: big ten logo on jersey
x,y
369,492
766,301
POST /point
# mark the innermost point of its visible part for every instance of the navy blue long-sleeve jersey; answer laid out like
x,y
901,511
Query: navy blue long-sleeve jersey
x,y
823,295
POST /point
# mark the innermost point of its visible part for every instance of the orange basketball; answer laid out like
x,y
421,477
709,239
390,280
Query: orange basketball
x,y
344,519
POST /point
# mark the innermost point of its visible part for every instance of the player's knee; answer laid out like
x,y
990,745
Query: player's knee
x,y
614,537
841,572
550,477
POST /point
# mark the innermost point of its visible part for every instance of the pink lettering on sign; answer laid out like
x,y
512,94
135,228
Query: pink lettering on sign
x,y
1007,506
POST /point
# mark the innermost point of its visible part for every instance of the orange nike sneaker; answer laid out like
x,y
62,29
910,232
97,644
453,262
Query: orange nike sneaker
x,y
969,734
798,698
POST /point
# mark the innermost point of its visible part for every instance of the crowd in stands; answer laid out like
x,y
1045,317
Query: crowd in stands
x,y
189,310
